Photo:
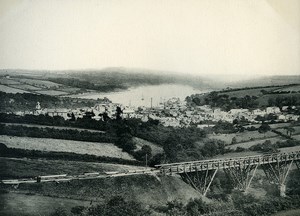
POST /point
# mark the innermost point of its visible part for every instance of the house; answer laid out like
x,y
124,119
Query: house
x,y
205,126
58,112
273,110
258,112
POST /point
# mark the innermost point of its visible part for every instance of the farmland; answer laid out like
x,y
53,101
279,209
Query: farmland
x,y
39,83
57,145
295,88
255,142
242,136
51,92
8,89
36,86
250,92
26,87
54,127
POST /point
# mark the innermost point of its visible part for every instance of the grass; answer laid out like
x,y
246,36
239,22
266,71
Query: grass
x,y
58,145
155,148
5,81
147,189
250,92
26,87
25,204
22,167
245,136
51,92
255,142
297,130
8,89
55,127
40,83
295,88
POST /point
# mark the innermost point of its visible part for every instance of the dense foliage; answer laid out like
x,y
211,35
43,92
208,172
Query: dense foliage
x,y
224,101
67,134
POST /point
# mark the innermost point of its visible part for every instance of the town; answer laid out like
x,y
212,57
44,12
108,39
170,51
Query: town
x,y
173,112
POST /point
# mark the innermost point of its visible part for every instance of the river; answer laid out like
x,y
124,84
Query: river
x,y
141,96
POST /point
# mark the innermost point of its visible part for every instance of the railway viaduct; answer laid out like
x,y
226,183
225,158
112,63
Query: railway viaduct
x,y
200,174
241,170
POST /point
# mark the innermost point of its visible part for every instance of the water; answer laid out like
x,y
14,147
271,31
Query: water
x,y
141,96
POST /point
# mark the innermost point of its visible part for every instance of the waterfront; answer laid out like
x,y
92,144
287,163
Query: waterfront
x,y
141,96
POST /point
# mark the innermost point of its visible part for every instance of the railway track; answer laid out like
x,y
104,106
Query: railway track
x,y
65,177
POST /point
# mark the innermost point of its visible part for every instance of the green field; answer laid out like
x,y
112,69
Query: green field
x,y
58,145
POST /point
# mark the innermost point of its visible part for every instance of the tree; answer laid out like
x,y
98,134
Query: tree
x,y
141,155
289,131
264,128
118,113
233,141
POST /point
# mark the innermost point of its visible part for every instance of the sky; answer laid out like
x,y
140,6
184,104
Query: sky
x,y
239,38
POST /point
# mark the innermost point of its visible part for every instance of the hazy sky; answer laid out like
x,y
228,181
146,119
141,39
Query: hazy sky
x,y
245,37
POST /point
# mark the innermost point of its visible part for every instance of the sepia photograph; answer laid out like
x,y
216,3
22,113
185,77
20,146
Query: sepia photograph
x,y
149,107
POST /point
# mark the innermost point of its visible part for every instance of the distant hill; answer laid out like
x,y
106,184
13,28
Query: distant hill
x,y
114,78
268,81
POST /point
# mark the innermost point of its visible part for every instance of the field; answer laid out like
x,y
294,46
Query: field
x,y
296,128
255,142
8,89
5,81
57,145
290,149
21,167
26,87
40,83
243,136
25,204
296,137
51,92
55,127
70,90
295,88
250,92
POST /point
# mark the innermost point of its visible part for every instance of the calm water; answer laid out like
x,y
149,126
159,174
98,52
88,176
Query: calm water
x,y
141,96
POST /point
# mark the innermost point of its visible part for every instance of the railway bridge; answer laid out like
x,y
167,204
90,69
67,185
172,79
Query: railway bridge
x,y
200,174
241,170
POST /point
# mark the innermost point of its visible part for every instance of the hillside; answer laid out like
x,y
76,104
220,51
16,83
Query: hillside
x,y
250,97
